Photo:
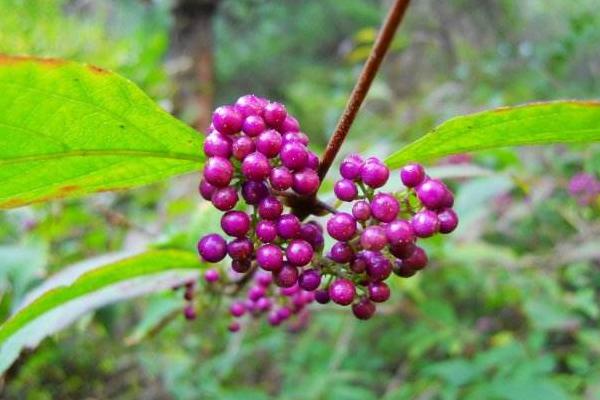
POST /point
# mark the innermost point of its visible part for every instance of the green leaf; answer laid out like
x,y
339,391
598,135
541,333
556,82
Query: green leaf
x,y
69,129
70,296
530,124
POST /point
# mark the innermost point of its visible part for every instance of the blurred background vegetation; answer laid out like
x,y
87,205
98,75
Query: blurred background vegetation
x,y
508,308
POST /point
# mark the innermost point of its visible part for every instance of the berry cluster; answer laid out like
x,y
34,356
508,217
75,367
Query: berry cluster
x,y
255,148
277,263
279,304
379,235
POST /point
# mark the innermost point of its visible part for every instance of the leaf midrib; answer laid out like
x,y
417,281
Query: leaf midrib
x,y
101,153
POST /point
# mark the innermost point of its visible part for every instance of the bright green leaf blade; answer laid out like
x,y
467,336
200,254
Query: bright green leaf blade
x,y
530,124
58,306
68,129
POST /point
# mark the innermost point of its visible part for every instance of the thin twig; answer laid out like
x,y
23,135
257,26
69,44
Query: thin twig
x,y
363,84
303,206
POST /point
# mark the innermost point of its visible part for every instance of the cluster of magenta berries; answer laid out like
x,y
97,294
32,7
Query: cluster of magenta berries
x,y
379,235
256,149
279,304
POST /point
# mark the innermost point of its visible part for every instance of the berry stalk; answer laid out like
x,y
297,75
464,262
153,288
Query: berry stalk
x,y
367,75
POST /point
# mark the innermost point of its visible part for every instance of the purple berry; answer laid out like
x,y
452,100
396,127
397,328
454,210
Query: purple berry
x,y
310,279
227,120
273,318
374,173
256,292
322,296
234,327
270,208
316,224
251,307
448,220
306,182
269,143
294,155
217,145
264,304
256,167
364,309
235,223
288,226
341,226
379,269
425,223
312,161
269,257
341,252
240,249
284,313
242,147
290,124
402,270
266,231
373,238
345,190
298,301
241,266
313,235
412,175
281,178
287,276
358,265
253,125
237,309
274,114
250,105
225,199
218,171
298,137
206,189
449,199
399,231
189,312
361,210
212,248
253,192
211,275
378,291
263,278
432,193
351,167
417,260
342,291
289,291
299,252
384,207
402,249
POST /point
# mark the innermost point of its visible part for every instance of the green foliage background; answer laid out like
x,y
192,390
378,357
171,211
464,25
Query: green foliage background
x,y
509,307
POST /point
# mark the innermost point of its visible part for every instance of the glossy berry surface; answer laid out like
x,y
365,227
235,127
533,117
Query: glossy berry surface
x,y
212,248
412,175
341,226
342,291
364,309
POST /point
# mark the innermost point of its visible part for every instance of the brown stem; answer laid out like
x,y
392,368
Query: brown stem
x,y
381,46
191,58
304,206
